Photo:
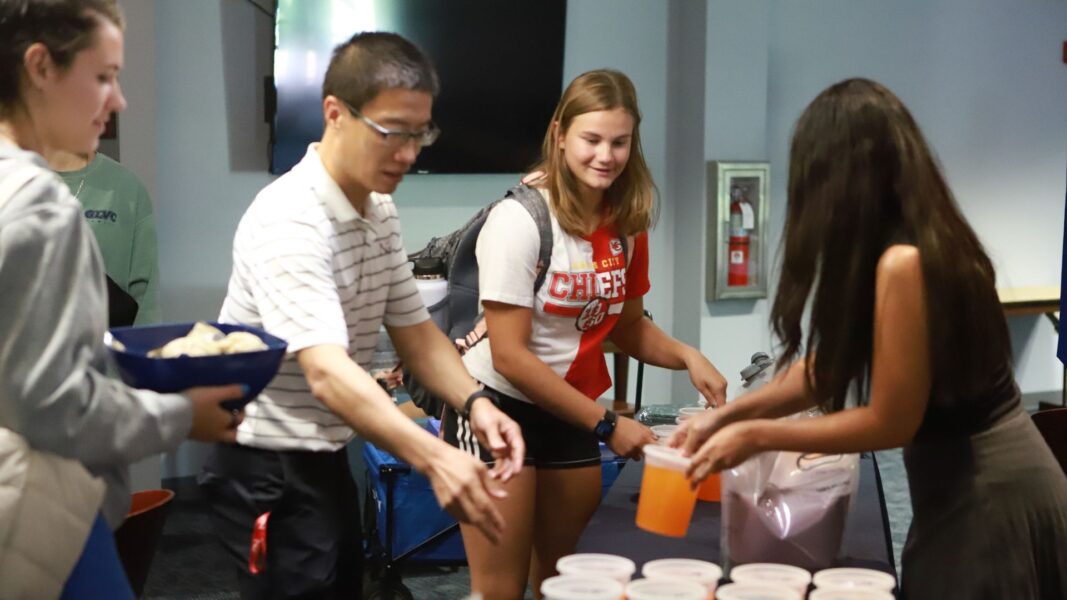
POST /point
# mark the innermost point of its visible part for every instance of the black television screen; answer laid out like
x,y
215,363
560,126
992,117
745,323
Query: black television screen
x,y
500,65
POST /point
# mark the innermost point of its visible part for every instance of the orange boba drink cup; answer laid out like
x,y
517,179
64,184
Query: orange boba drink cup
x,y
666,503
710,489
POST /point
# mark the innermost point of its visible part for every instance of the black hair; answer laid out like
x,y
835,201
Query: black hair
x,y
373,61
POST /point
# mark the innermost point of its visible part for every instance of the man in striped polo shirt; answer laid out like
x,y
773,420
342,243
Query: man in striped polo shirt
x,y
318,260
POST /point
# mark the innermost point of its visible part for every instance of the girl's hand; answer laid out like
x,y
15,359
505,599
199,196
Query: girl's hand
x,y
731,446
696,430
629,438
706,379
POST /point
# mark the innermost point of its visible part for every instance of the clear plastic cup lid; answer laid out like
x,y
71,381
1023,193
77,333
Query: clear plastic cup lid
x,y
665,457
772,573
665,589
581,587
691,411
757,591
853,579
850,594
618,568
701,571
663,432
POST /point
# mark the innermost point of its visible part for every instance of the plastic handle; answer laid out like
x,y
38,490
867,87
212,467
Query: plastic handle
x,y
257,554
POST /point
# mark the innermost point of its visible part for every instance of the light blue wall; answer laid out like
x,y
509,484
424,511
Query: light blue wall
x,y
735,129
629,35
211,152
984,78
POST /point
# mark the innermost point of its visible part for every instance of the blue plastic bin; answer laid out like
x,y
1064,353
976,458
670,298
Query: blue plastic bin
x,y
404,503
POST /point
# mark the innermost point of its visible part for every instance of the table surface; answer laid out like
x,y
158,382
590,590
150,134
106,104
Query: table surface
x,y
612,529
1041,293
1033,300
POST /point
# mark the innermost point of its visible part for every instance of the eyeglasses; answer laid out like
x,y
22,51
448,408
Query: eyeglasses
x,y
396,138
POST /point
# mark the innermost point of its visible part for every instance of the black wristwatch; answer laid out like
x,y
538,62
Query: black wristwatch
x,y
483,393
606,426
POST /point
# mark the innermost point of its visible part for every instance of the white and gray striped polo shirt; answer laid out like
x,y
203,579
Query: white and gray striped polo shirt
x,y
309,269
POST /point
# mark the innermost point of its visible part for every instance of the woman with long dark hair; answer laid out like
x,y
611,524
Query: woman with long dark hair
x,y
903,307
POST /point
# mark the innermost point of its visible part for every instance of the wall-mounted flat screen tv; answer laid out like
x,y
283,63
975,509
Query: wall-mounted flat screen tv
x,y
500,63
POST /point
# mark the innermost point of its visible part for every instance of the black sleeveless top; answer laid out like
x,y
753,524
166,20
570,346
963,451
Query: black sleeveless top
x,y
949,412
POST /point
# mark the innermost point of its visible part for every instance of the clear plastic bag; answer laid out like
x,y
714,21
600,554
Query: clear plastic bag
x,y
787,507
657,414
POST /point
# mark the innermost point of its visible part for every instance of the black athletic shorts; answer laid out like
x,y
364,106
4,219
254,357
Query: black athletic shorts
x,y
551,443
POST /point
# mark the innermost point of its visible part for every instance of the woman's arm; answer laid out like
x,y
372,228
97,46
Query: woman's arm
x,y
51,324
784,395
899,389
642,339
509,343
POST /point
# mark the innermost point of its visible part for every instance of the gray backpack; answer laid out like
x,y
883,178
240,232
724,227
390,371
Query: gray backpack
x,y
458,313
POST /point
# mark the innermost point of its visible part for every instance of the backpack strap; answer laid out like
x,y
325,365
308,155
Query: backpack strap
x,y
534,203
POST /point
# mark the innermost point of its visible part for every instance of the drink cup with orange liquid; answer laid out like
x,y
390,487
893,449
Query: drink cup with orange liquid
x,y
665,504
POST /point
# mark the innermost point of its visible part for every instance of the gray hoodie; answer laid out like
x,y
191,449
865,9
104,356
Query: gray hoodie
x,y
53,313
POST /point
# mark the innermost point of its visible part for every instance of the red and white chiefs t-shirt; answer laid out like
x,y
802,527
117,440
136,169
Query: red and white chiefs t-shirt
x,y
580,301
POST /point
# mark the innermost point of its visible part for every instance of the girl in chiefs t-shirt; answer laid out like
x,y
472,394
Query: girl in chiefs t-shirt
x,y
543,362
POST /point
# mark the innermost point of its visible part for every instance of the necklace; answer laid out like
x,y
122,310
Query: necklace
x,y
84,177
79,190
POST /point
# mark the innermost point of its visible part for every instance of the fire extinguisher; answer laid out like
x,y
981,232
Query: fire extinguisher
x,y
737,272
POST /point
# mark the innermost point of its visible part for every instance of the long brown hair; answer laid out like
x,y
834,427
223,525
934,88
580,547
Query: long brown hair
x,y
861,178
630,201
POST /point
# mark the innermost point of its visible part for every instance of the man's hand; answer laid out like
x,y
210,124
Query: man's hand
x,y
501,436
463,487
629,438
212,422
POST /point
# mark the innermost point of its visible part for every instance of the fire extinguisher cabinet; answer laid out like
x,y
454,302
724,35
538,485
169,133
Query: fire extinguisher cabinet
x,y
737,241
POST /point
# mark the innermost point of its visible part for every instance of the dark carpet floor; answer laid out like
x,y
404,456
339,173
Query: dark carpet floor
x,y
189,563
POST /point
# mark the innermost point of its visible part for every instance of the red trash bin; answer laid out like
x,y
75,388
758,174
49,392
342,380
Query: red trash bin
x,y
138,537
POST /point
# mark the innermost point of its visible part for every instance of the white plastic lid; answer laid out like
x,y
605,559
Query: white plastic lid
x,y
691,411
851,594
665,457
665,589
618,568
432,291
581,587
793,577
703,572
854,579
756,591
663,432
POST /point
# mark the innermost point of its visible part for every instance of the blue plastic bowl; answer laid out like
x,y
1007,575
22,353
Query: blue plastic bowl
x,y
169,375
